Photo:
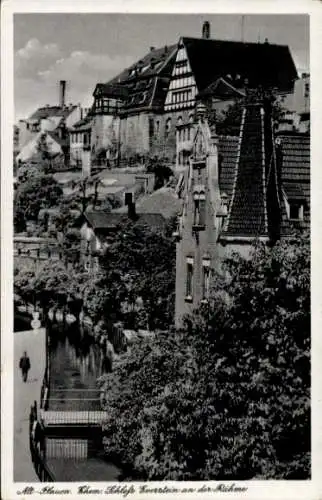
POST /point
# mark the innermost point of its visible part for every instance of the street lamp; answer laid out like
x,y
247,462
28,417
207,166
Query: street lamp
x,y
70,319
35,323
59,316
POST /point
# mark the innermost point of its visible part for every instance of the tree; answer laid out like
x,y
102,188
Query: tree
x,y
140,266
161,170
50,284
228,121
37,192
228,396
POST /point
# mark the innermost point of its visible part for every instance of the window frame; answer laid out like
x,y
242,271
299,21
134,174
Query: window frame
x,y
199,212
206,275
189,279
298,205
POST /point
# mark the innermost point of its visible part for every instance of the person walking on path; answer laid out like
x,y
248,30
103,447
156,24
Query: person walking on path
x,y
24,366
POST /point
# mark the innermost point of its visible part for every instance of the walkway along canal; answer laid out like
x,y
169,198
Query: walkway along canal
x,y
65,429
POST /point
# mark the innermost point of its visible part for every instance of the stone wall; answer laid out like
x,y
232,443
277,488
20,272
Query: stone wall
x,y
105,132
135,136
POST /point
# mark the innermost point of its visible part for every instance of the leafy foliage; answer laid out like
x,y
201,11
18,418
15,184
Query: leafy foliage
x,y
161,170
140,267
228,121
36,193
50,284
227,397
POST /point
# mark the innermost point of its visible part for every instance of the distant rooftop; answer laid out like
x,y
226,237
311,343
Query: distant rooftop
x,y
50,111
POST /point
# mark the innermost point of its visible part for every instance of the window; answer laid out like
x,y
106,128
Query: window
x,y
307,90
142,98
168,126
199,218
186,158
151,127
157,126
189,279
295,211
205,279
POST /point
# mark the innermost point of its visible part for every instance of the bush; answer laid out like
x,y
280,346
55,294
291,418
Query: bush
x,y
228,397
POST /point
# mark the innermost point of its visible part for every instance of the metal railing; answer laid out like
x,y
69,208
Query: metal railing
x,y
63,418
74,404
37,445
70,400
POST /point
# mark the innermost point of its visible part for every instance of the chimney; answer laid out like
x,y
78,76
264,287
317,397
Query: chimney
x,y
62,90
206,30
131,212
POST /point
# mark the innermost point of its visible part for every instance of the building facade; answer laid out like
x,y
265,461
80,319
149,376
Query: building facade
x,y
148,109
51,122
236,190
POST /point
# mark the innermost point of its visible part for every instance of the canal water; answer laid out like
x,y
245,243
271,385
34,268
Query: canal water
x,y
76,362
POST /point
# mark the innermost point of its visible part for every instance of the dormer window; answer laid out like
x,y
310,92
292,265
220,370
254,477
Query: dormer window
x,y
142,98
294,200
296,211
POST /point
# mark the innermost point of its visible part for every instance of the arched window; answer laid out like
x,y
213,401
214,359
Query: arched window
x,y
168,126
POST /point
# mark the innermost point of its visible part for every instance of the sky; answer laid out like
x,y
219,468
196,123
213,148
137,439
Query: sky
x,y
86,49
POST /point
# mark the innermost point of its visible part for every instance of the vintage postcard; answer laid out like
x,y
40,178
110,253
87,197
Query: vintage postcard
x,y
161,249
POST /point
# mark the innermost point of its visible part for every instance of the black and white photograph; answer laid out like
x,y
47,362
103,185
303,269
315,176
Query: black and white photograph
x,y
161,251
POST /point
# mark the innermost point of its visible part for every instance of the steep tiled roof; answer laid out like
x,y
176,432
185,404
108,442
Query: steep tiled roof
x,y
145,82
265,64
295,151
151,64
49,111
294,167
251,203
247,213
227,159
294,191
111,90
